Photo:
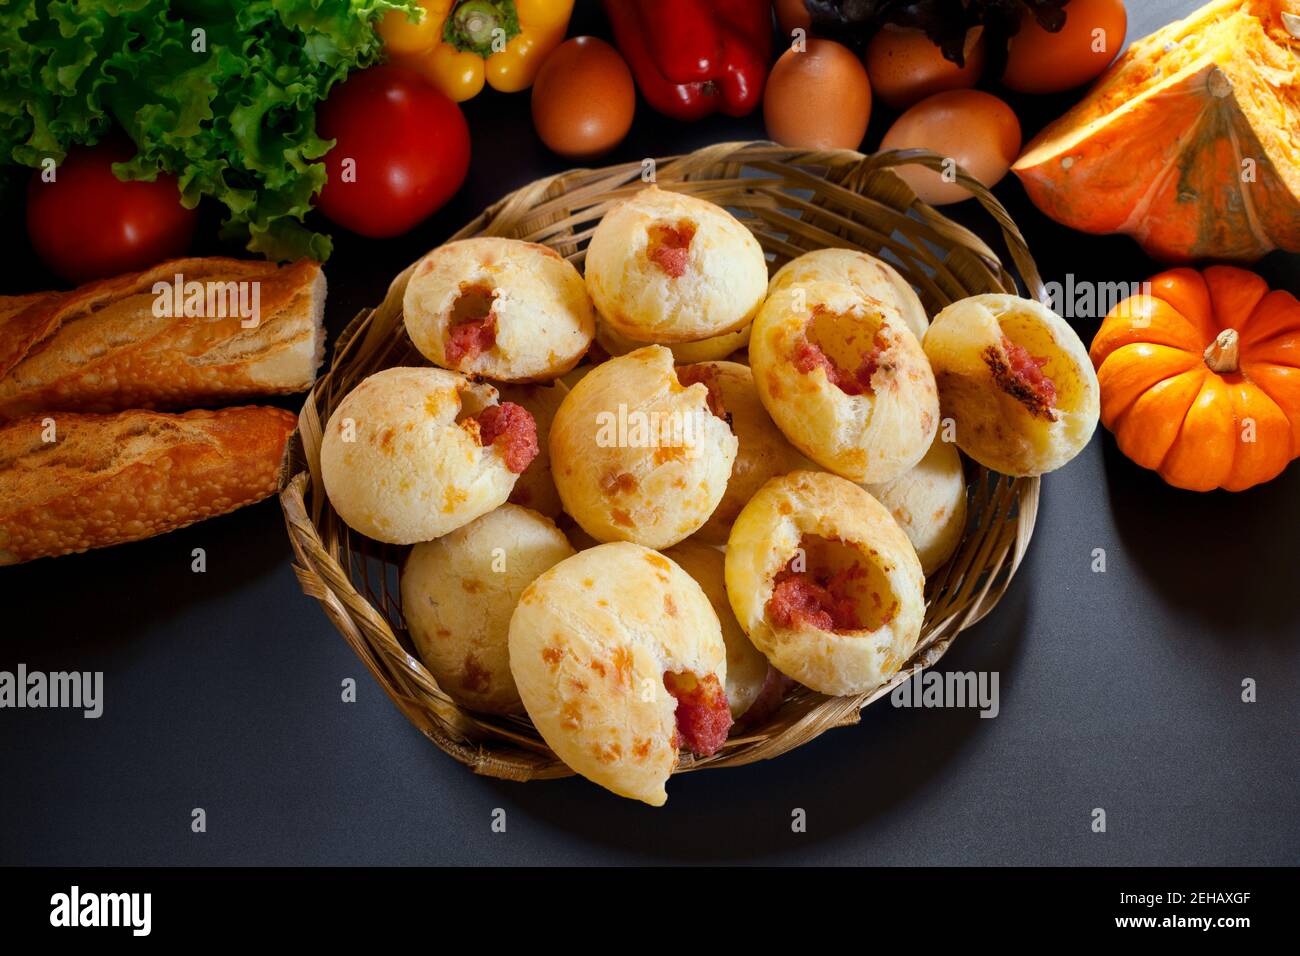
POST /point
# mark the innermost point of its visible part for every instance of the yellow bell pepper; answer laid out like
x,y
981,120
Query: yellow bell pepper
x,y
458,45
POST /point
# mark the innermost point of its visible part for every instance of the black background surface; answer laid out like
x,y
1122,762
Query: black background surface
x,y
1119,690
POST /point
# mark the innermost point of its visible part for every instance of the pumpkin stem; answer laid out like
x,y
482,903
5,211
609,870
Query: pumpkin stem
x,y
1224,352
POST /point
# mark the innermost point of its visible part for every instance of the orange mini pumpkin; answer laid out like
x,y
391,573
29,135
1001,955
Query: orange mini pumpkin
x,y
1200,379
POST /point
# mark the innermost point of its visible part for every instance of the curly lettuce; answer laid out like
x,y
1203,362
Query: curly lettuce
x,y
220,93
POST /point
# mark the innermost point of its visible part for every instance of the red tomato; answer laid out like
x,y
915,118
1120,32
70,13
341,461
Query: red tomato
x,y
408,145
88,224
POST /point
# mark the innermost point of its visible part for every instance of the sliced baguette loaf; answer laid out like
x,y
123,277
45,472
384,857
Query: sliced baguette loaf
x,y
106,479
111,345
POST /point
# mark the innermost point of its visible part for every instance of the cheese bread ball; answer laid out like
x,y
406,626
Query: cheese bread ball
x,y
868,276
413,453
638,456
746,666
458,594
501,308
825,583
619,660
1017,382
929,503
535,488
762,451
684,353
666,267
846,381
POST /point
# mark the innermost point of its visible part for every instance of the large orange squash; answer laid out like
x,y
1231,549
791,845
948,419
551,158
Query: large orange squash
x,y
1200,379
1188,142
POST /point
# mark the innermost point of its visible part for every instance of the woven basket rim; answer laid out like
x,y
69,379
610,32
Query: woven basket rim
x,y
326,555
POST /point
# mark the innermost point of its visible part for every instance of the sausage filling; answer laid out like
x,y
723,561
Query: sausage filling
x,y
703,716
473,327
808,355
1022,377
708,376
511,426
820,598
670,247
831,585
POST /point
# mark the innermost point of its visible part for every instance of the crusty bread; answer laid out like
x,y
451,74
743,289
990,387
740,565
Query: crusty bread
x,y
106,479
104,347
12,305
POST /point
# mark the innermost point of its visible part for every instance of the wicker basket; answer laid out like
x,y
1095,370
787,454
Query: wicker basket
x,y
793,201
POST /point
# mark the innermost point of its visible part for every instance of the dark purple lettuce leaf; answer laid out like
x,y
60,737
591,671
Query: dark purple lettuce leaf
x,y
945,22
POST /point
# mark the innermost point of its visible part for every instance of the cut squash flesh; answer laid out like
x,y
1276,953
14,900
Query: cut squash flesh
x,y
1190,142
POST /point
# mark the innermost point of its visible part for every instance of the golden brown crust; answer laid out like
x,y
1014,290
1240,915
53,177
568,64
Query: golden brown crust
x,y
13,305
101,347
106,479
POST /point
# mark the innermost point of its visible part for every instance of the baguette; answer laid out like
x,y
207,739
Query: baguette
x,y
107,479
104,346
12,305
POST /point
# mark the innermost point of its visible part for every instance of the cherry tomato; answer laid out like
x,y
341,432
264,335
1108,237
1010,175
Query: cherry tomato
x,y
88,224
402,151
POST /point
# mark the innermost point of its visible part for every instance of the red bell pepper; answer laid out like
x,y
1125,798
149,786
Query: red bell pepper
x,y
691,58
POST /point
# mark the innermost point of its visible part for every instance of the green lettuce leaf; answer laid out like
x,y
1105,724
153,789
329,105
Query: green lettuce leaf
x,y
220,94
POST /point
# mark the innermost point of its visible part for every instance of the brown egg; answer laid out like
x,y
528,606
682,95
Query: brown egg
x,y
905,66
791,15
974,129
583,99
818,98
